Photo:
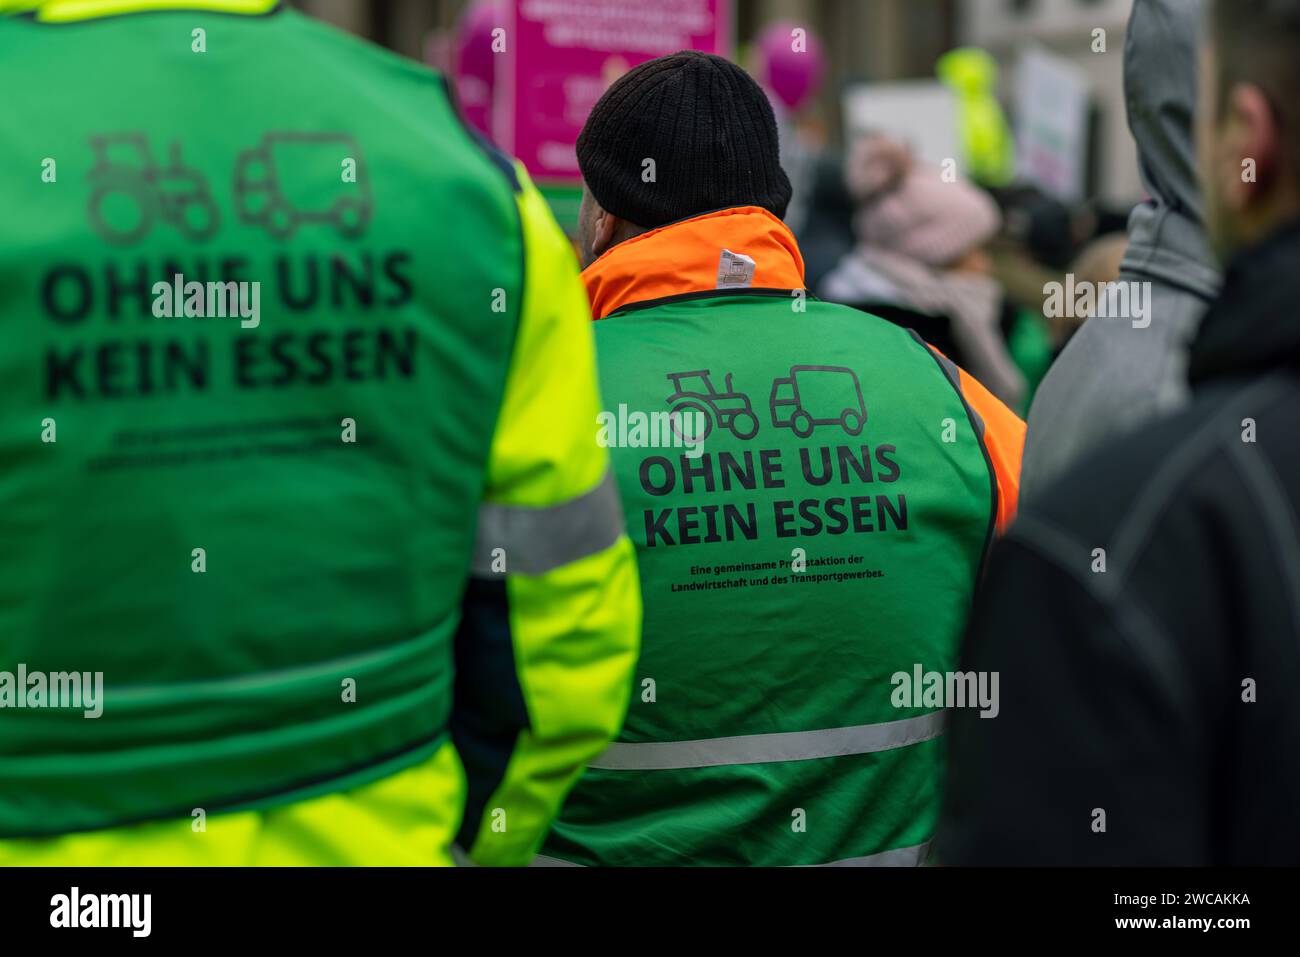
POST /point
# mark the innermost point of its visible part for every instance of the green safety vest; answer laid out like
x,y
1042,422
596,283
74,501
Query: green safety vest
x,y
253,510
823,538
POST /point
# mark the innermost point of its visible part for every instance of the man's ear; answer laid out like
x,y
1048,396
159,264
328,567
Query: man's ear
x,y
603,231
1252,148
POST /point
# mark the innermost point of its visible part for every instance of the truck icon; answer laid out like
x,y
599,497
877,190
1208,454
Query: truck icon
x,y
129,191
277,184
694,391
818,395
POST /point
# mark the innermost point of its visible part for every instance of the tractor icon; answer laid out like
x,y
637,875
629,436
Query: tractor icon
x,y
278,184
694,391
818,395
129,191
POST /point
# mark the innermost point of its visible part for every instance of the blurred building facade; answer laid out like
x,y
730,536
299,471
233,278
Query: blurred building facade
x,y
1065,27
864,39
868,40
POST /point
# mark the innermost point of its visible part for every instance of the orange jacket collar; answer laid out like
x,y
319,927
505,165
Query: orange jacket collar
x,y
683,257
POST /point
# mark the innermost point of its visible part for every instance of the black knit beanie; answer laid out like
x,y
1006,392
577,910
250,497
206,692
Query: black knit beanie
x,y
709,129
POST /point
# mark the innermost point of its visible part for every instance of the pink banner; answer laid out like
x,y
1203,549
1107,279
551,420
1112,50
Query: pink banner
x,y
562,54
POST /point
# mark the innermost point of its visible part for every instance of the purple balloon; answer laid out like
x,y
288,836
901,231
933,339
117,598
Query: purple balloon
x,y
793,63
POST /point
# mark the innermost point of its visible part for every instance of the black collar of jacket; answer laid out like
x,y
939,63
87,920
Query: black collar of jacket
x,y
1255,323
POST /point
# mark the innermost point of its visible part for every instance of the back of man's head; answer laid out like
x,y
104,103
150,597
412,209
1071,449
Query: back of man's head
x,y
682,135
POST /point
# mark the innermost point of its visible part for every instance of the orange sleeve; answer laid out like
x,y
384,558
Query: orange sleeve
x,y
1003,438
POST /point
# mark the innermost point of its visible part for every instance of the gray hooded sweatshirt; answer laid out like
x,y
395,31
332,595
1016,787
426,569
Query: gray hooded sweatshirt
x,y
1113,375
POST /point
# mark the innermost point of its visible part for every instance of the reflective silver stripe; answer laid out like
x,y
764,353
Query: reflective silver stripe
x,y
541,860
460,857
899,857
537,540
765,748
